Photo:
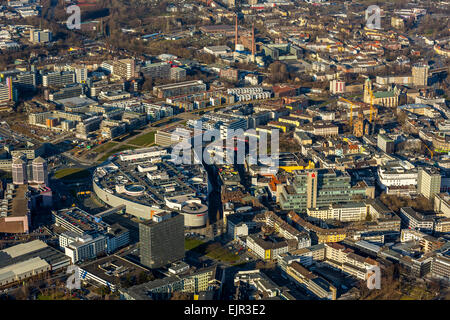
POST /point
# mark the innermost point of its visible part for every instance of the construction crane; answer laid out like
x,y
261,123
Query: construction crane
x,y
351,111
431,152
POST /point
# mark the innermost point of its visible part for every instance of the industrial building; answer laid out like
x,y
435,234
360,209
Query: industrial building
x,y
27,260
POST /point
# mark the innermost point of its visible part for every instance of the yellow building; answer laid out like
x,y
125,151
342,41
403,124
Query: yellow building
x,y
293,121
331,237
278,125
294,168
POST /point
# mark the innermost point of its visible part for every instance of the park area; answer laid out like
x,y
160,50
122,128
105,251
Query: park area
x,y
144,140
72,174
211,250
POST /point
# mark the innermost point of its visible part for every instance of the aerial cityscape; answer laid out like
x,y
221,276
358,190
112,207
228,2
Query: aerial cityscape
x,y
226,150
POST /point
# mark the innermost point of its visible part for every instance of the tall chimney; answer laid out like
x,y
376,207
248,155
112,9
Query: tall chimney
x,y
236,34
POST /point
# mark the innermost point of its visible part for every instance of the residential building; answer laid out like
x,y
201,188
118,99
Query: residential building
x,y
385,143
124,68
266,249
420,74
417,221
313,283
40,36
428,182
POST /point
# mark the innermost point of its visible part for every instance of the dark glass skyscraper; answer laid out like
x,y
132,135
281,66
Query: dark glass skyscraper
x,y
161,239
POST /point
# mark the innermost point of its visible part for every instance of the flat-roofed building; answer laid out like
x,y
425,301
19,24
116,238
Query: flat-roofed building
x,y
428,182
86,247
162,239
313,283
266,249
124,68
177,89
385,143
440,266
318,188
158,70
15,210
258,281
109,271
415,220
195,281
28,260
342,212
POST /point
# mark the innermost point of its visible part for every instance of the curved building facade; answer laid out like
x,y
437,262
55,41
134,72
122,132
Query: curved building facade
x,y
136,209
168,187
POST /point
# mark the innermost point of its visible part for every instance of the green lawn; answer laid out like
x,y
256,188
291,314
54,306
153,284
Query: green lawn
x,y
113,151
223,254
72,174
214,250
144,140
104,147
190,244
57,296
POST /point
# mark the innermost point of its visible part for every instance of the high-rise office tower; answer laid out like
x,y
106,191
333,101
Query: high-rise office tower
x,y
7,91
40,171
385,143
124,68
420,74
40,36
320,188
161,239
81,74
33,172
428,182
19,171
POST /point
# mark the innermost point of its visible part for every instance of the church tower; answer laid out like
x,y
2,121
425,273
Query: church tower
x,y
367,89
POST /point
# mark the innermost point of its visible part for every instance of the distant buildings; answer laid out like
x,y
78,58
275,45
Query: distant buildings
x,y
124,68
58,79
337,86
341,212
217,50
170,90
40,36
